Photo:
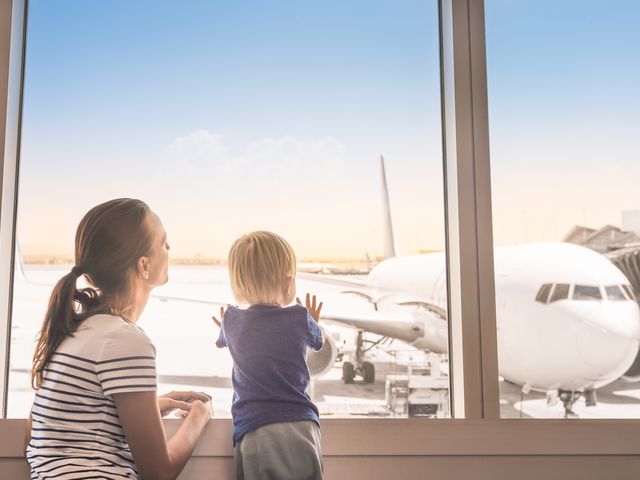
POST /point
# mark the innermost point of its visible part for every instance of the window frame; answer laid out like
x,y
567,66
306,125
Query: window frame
x,y
470,273
12,47
471,293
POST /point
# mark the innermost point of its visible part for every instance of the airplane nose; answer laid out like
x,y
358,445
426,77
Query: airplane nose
x,y
624,322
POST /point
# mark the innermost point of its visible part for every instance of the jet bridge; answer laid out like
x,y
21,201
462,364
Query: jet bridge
x,y
628,260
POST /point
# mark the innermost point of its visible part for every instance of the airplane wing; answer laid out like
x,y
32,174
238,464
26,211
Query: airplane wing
x,y
166,298
340,281
400,325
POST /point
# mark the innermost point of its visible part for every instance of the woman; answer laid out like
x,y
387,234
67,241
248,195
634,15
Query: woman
x,y
96,413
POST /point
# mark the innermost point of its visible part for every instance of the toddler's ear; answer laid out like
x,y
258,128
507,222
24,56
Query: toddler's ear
x,y
286,283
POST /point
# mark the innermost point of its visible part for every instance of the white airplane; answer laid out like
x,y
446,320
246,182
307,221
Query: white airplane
x,y
567,319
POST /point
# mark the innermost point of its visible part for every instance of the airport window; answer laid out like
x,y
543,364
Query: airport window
x,y
615,293
563,107
278,128
586,292
543,293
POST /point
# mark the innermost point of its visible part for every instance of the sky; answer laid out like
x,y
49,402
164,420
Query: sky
x,y
227,117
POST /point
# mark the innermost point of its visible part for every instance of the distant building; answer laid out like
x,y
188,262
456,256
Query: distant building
x,y
631,221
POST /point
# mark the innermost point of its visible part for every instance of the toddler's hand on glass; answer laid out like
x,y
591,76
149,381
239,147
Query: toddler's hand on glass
x,y
312,308
216,321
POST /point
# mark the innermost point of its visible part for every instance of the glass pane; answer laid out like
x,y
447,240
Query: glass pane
x,y
543,293
614,293
560,292
226,119
563,111
584,292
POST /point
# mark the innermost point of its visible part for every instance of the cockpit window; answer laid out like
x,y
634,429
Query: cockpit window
x,y
629,291
543,293
586,292
615,293
560,292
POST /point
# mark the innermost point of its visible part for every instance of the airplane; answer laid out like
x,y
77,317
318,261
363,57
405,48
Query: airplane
x,y
567,318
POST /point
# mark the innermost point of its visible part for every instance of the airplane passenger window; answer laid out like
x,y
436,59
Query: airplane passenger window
x,y
563,108
560,292
614,293
543,293
585,292
228,118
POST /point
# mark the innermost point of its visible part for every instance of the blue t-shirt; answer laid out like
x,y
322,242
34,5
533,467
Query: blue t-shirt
x,y
268,345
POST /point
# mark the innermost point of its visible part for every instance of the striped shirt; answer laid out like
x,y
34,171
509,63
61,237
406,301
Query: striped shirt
x,y
76,432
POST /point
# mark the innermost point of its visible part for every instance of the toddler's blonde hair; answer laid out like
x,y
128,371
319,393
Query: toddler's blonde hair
x,y
258,264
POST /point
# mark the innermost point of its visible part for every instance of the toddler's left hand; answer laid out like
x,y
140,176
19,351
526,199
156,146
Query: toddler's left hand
x,y
216,321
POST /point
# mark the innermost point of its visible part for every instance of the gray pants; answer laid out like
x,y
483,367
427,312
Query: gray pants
x,y
280,451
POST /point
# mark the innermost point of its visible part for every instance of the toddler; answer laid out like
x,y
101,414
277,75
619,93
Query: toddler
x,y
276,426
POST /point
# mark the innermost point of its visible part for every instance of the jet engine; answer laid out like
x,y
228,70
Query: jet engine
x,y
322,361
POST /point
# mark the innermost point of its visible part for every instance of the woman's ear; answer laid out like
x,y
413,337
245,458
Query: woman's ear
x,y
143,267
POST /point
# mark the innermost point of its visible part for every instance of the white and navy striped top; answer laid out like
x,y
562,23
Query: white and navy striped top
x,y
76,432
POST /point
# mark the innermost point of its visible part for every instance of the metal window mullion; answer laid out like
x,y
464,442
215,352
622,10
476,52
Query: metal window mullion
x,y
12,40
472,325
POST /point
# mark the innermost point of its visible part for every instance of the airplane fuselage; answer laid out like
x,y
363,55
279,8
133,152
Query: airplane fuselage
x,y
573,343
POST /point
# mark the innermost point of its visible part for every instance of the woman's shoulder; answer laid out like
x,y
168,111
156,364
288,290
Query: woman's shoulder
x,y
103,337
112,329
105,324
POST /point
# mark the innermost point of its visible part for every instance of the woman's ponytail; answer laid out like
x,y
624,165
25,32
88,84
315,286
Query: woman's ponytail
x,y
60,321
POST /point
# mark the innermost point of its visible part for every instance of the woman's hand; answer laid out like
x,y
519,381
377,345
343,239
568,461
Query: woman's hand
x,y
201,409
156,457
172,401
313,310
216,321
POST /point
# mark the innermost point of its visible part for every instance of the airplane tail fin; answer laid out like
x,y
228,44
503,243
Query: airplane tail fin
x,y
390,249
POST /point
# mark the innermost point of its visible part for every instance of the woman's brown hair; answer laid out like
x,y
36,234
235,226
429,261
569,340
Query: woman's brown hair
x,y
110,239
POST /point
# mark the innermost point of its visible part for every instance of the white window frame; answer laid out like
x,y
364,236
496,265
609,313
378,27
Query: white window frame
x,y
12,45
477,429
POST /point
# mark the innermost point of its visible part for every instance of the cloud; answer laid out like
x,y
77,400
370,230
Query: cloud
x,y
197,149
202,154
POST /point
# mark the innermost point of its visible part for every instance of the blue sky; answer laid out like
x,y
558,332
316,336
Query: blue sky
x,y
231,116
563,114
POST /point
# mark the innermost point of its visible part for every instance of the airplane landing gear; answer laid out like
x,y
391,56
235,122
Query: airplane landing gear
x,y
348,372
569,398
365,369
368,372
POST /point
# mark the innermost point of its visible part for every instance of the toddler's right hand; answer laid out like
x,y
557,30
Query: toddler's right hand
x,y
216,321
312,307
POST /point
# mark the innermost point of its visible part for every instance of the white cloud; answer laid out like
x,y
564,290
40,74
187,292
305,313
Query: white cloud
x,y
197,149
202,155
